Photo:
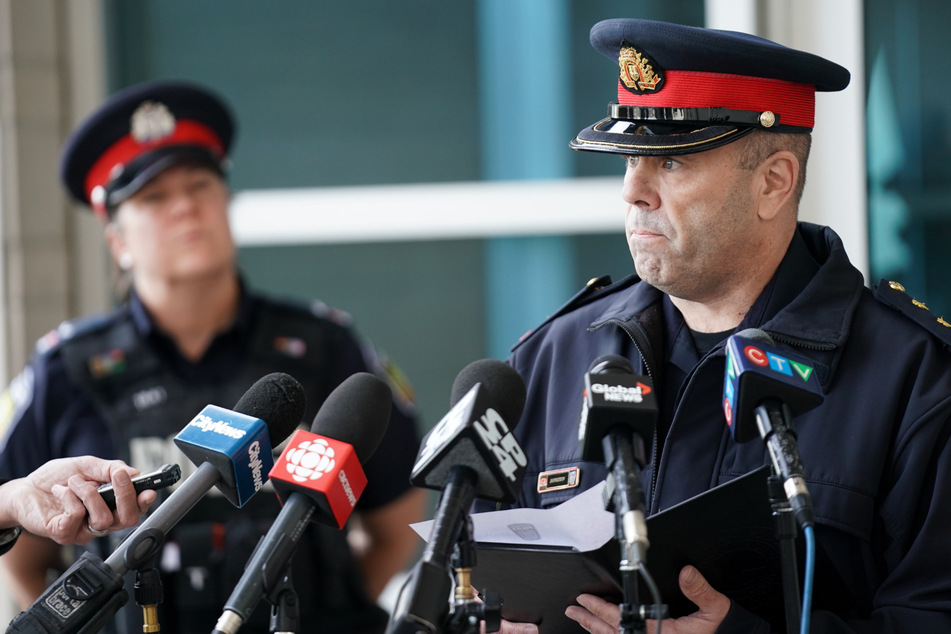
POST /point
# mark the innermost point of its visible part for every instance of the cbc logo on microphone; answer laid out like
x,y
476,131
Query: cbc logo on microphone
x,y
310,460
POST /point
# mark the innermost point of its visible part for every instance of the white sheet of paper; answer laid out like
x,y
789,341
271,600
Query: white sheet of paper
x,y
580,523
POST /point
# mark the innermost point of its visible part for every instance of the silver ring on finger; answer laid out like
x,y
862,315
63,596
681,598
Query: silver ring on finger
x,y
96,532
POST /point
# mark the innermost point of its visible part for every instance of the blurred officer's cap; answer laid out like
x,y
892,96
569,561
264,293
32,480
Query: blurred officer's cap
x,y
684,89
137,133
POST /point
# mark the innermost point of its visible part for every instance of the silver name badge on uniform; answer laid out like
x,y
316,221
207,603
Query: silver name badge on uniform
x,y
560,479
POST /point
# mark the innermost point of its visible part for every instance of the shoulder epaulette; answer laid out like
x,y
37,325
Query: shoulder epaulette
x,y
307,308
330,313
74,328
893,294
595,288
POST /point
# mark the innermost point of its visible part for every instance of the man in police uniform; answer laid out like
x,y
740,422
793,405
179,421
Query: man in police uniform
x,y
715,130
151,162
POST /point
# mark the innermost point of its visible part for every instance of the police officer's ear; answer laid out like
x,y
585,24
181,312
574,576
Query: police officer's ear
x,y
116,242
774,184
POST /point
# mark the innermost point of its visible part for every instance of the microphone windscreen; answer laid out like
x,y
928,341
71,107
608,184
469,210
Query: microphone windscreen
x,y
503,384
357,412
609,362
279,400
757,335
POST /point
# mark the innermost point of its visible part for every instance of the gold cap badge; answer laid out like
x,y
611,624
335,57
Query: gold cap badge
x,y
637,71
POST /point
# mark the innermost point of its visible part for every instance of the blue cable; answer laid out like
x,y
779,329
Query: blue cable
x,y
807,585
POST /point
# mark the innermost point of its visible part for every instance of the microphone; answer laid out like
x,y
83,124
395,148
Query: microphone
x,y
486,402
763,389
233,448
619,410
470,453
318,476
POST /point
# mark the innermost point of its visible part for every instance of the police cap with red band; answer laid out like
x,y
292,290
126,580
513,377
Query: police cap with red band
x,y
684,89
137,133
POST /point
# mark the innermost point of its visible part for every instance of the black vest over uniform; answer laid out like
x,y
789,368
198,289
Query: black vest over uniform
x,y
145,403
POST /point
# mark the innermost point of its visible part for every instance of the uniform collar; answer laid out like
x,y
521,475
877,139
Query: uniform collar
x,y
146,326
795,270
815,292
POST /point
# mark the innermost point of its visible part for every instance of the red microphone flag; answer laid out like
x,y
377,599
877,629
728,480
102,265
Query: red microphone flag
x,y
324,469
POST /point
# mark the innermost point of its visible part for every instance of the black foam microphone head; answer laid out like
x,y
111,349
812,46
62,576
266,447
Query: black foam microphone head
x,y
757,334
357,412
614,396
279,400
611,363
501,382
487,401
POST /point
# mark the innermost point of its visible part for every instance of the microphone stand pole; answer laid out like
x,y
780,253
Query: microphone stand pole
x,y
785,523
423,604
285,606
466,610
623,496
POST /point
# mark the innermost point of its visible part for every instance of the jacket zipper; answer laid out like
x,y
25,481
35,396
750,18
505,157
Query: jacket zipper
x,y
802,343
623,325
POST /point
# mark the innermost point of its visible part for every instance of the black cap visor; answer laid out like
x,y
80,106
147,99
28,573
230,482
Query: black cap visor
x,y
144,168
648,138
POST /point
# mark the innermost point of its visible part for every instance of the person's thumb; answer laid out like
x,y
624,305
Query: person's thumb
x,y
702,594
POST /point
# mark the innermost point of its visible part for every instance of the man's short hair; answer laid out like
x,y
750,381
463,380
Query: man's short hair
x,y
760,145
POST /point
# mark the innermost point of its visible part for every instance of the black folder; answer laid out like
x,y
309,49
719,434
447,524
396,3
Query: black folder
x,y
728,533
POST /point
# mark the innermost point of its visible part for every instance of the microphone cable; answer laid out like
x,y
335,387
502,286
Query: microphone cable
x,y
808,579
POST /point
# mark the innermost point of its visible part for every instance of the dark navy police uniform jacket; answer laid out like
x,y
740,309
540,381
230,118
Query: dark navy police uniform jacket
x,y
876,452
116,386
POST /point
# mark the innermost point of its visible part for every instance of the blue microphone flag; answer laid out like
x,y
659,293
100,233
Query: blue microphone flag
x,y
222,436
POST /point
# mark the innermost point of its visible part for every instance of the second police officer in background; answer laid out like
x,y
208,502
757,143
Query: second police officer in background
x,y
714,129
151,163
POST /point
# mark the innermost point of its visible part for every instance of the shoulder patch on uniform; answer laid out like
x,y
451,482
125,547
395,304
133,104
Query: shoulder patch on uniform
x,y
893,294
595,288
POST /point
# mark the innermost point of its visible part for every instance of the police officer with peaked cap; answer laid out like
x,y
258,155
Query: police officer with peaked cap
x,y
151,163
715,130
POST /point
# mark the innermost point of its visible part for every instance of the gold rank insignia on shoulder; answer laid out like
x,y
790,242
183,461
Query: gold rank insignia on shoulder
x,y
559,479
894,294
637,71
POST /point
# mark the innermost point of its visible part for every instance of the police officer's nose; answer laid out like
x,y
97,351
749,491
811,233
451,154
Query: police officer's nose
x,y
639,189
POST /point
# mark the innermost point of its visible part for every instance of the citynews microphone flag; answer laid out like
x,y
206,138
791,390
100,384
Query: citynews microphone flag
x,y
326,470
238,445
